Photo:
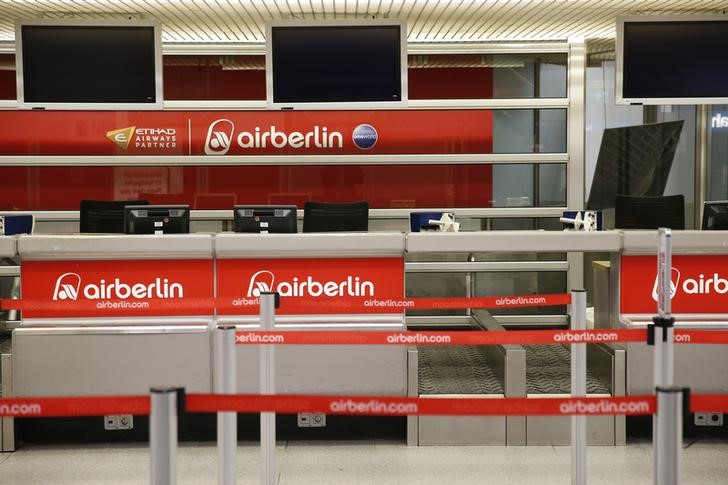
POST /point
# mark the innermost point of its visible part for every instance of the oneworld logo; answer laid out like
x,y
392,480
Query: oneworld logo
x,y
68,287
221,135
702,285
264,280
365,137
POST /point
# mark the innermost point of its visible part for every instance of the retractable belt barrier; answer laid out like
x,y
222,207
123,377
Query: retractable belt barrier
x,y
42,407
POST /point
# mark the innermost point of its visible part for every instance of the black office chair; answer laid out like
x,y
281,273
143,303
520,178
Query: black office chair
x,y
645,212
326,217
105,216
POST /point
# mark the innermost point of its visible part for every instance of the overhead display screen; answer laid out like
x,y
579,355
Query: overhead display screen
x,y
672,62
336,64
89,64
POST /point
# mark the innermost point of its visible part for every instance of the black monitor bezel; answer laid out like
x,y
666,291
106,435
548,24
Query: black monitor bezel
x,y
130,217
237,218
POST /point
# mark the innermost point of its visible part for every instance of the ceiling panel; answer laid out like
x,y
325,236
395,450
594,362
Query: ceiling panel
x,y
240,21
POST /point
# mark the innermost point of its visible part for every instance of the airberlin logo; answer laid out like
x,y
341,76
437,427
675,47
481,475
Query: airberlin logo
x,y
701,285
68,287
144,138
307,286
221,137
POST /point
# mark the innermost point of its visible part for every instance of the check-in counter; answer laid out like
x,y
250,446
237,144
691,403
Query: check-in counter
x,y
104,320
534,370
306,269
8,246
699,277
8,249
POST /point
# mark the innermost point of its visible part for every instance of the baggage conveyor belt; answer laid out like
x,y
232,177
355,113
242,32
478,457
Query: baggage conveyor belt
x,y
548,371
466,370
456,370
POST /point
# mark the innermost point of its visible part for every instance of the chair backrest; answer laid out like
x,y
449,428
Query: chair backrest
x,y
646,212
329,217
104,216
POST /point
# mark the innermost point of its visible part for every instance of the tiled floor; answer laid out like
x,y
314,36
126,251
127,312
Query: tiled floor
x,y
362,462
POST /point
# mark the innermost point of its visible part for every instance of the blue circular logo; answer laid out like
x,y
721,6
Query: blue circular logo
x,y
365,136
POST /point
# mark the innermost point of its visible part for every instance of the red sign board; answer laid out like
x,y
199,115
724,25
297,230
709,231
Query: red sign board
x,y
116,288
304,283
221,133
699,284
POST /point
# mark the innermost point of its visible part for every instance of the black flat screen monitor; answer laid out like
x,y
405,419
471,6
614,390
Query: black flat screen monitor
x,y
672,60
265,218
328,63
157,219
636,212
104,216
633,160
335,217
715,215
105,65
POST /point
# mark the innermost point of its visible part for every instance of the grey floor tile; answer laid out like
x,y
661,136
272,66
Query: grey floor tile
x,y
366,462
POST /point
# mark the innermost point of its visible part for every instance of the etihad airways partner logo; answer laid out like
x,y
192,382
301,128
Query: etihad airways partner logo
x,y
143,138
264,280
693,286
221,137
68,287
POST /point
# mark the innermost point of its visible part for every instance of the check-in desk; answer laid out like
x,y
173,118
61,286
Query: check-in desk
x,y
515,370
305,269
8,249
699,301
112,338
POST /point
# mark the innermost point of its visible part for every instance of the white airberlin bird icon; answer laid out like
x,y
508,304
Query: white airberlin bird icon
x,y
67,286
219,137
674,282
260,282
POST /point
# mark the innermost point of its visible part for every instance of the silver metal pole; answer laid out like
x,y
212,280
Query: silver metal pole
x,y
578,389
663,356
227,422
267,386
669,435
163,435
664,268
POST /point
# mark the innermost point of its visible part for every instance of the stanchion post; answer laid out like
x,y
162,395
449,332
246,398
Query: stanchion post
x,y
268,304
227,422
663,328
163,435
578,389
661,335
668,444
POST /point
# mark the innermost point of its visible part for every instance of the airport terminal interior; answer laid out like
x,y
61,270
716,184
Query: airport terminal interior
x,y
343,241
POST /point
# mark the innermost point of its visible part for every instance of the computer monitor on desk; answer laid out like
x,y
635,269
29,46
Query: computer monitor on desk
x,y
104,216
157,219
715,215
330,217
645,212
265,218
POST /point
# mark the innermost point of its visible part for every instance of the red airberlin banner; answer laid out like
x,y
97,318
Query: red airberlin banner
x,y
699,284
116,288
306,283
221,133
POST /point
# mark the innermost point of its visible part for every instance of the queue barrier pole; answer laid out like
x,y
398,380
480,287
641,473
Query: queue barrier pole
x,y
227,422
661,334
578,389
669,433
268,304
163,435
